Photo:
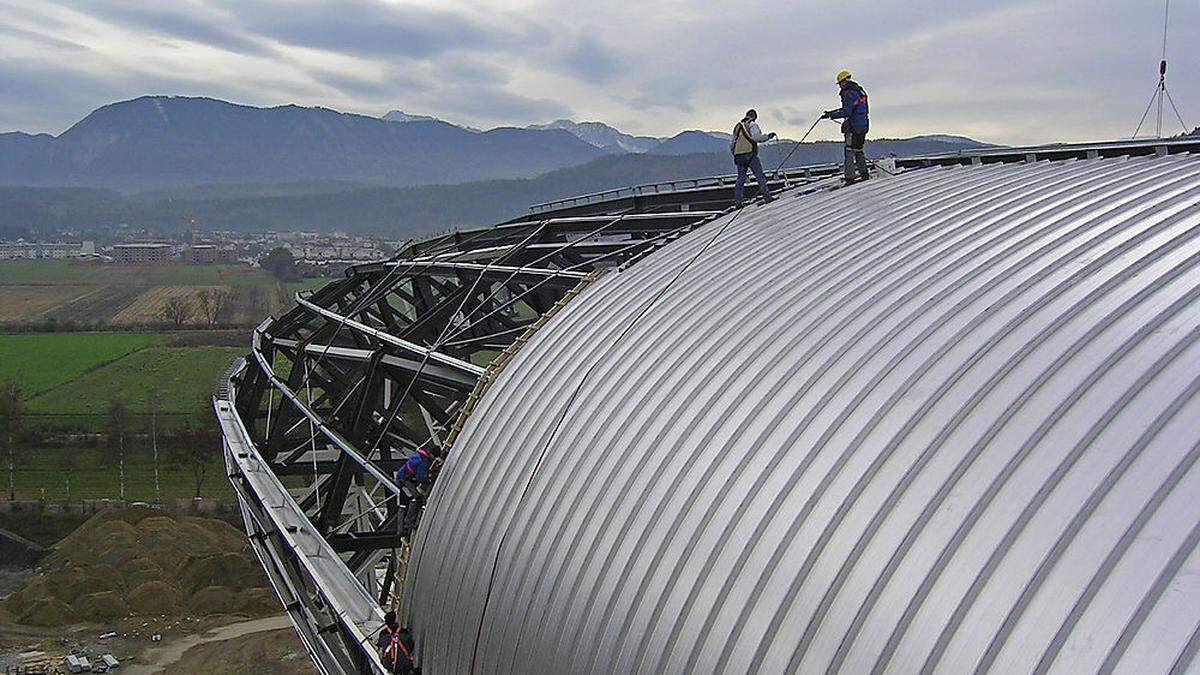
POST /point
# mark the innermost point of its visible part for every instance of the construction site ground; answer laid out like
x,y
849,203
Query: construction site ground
x,y
160,592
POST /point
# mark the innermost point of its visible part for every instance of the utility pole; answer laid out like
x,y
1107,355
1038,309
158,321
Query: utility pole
x,y
154,398
12,414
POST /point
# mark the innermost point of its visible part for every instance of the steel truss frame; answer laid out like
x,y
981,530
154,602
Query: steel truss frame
x,y
339,391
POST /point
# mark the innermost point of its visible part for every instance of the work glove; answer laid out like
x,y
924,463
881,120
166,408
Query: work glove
x,y
827,114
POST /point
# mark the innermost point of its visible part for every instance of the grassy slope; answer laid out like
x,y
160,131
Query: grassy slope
x,y
290,288
187,374
95,475
40,361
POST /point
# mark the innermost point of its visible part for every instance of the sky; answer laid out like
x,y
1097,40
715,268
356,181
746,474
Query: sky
x,y
1015,72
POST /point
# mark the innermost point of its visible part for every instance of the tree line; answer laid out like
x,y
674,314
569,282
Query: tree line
x,y
192,447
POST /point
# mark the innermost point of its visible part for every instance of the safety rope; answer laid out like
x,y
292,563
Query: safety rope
x,y
795,145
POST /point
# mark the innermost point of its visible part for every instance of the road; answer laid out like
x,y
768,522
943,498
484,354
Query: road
x,y
161,659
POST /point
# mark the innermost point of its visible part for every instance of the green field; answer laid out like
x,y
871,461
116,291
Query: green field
x,y
42,361
43,472
187,375
290,288
70,378
75,375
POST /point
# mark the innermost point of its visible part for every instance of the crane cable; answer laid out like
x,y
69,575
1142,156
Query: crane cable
x,y
1160,89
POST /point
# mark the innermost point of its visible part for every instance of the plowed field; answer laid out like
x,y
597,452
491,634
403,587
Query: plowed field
x,y
93,295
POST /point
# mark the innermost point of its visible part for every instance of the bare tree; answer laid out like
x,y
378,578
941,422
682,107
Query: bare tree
x,y
117,426
212,302
68,462
12,416
176,310
197,448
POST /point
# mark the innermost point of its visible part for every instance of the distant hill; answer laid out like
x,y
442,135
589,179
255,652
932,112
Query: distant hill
x,y
691,142
396,212
961,141
20,153
401,116
158,142
601,135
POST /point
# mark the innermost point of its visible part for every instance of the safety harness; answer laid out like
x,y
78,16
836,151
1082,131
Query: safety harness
x,y
860,101
394,643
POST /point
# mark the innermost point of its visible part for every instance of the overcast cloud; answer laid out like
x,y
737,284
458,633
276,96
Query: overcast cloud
x,y
1022,71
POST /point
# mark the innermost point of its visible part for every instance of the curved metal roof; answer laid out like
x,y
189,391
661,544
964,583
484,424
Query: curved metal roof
x,y
942,421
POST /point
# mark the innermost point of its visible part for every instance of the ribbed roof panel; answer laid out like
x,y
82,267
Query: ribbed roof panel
x,y
942,421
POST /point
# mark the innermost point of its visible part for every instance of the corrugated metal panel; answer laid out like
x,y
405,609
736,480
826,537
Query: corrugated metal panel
x,y
944,421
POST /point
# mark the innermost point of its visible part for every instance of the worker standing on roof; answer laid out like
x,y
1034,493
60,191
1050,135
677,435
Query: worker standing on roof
x,y
854,114
744,146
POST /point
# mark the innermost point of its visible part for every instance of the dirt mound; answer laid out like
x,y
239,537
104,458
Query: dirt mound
x,y
47,612
104,606
153,598
65,584
145,562
237,571
257,602
212,600
139,571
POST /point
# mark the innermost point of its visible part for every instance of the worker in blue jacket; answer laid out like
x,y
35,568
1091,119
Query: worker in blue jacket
x,y
417,467
414,472
854,114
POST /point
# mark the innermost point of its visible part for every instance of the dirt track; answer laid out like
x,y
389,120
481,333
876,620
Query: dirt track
x,y
229,649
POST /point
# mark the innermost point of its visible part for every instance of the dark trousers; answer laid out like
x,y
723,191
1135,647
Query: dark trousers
x,y
855,156
756,166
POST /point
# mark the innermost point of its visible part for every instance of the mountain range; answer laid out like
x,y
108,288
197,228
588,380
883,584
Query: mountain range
x,y
154,162
601,135
163,141
609,138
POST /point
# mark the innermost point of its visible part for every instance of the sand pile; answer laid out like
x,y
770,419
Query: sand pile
x,y
143,562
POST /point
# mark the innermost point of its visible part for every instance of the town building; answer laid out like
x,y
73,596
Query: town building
x,y
143,254
36,250
202,254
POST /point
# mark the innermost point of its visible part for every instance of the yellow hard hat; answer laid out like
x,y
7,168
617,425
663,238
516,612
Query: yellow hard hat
x,y
844,75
